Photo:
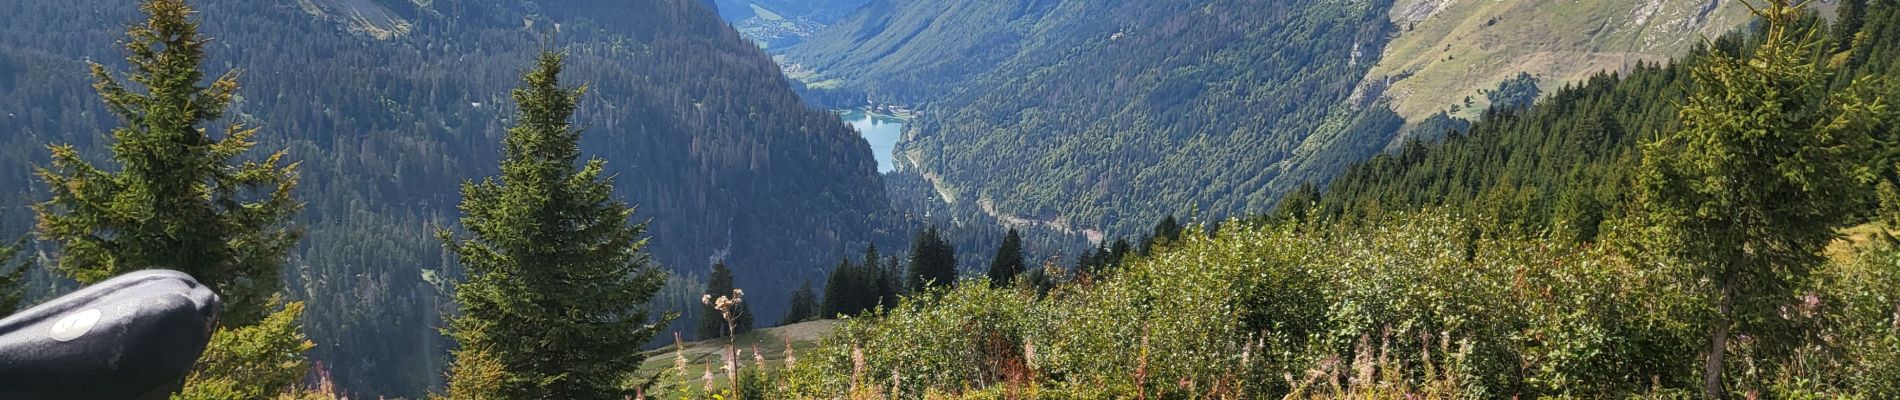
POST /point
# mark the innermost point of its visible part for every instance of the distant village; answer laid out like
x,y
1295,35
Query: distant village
x,y
895,110
778,32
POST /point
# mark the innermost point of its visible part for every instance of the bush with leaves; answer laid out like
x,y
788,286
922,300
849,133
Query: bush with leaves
x,y
1236,316
944,339
260,361
1847,322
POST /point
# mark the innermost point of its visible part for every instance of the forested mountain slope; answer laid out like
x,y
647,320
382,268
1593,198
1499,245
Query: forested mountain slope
x,y
1113,114
775,24
1744,258
907,51
822,11
1570,159
390,105
1121,112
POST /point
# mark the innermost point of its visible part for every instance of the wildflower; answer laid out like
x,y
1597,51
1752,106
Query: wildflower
x,y
758,358
708,378
857,360
1141,367
1029,354
732,365
725,360
857,365
679,355
706,299
790,358
897,382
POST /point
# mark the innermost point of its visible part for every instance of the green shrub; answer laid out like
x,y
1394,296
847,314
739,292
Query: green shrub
x,y
1431,305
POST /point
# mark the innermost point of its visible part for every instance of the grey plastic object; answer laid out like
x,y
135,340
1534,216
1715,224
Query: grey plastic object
x,y
132,337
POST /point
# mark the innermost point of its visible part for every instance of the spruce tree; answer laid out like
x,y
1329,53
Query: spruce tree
x,y
802,306
933,261
185,200
1009,260
1167,230
12,277
1849,17
854,288
1765,168
181,198
711,324
891,280
838,290
1119,251
878,283
557,281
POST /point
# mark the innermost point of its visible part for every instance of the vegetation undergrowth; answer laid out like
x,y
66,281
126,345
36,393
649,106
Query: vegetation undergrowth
x,y
1411,306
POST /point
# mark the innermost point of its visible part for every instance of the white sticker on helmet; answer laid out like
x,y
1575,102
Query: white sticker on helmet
x,y
74,325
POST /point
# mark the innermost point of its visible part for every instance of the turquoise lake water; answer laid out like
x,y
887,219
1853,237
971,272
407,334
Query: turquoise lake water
x,y
882,131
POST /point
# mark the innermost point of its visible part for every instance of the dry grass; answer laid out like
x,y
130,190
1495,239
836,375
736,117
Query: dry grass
x,y
704,355
1468,45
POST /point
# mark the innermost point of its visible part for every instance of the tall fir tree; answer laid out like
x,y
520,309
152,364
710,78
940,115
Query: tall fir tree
x,y
838,290
933,261
1168,230
855,288
12,279
711,324
557,281
1009,260
891,281
181,199
1849,17
874,281
1119,251
1765,168
803,305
